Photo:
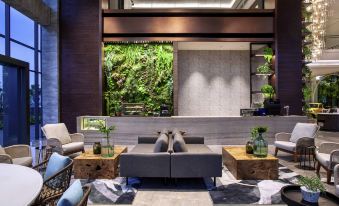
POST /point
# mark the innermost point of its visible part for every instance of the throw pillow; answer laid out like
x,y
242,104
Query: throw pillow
x,y
56,163
72,196
303,130
179,144
176,130
161,145
58,131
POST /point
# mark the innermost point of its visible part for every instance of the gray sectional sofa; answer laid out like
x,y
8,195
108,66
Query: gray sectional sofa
x,y
195,161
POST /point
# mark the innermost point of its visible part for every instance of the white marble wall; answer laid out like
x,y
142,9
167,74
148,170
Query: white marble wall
x,y
213,83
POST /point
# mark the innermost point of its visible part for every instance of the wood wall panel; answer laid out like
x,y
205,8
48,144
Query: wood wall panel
x,y
80,60
289,54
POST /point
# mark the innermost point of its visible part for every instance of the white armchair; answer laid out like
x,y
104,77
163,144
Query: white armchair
x,y
303,135
336,179
60,141
327,156
16,154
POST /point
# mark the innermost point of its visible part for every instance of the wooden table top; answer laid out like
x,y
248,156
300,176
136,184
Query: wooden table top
x,y
239,153
88,154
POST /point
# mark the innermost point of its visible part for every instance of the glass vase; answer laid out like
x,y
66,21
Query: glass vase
x,y
97,148
260,146
107,147
249,147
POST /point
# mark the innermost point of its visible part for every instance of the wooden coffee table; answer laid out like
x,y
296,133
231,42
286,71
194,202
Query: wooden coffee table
x,y
91,166
248,167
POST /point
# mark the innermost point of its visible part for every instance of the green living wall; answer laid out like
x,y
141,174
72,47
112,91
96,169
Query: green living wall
x,y
138,73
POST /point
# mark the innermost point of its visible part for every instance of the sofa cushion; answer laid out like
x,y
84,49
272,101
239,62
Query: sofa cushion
x,y
55,164
142,148
24,161
72,196
161,145
323,158
2,150
198,148
179,144
303,130
73,147
289,146
176,130
58,131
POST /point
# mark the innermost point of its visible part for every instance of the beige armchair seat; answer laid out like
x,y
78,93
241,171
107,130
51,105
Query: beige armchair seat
x,y
16,154
302,135
60,141
327,156
336,179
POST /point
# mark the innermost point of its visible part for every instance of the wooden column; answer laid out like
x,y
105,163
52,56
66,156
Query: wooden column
x,y
289,54
80,60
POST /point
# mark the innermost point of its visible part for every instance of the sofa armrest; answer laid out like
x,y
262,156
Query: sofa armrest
x,y
336,175
55,145
334,158
194,140
77,137
5,158
145,164
328,147
188,165
147,140
17,151
283,136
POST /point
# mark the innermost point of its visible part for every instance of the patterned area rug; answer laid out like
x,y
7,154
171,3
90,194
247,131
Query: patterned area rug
x,y
232,191
228,189
107,192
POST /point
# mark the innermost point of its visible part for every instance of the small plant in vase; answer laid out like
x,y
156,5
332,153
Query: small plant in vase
x,y
311,187
107,149
260,146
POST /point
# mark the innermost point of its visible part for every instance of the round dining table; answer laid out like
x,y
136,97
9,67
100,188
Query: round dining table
x,y
19,185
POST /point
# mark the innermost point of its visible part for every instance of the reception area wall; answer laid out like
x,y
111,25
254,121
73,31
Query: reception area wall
x,y
213,82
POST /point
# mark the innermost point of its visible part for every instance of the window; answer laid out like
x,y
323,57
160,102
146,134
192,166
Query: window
x,y
2,18
22,28
24,43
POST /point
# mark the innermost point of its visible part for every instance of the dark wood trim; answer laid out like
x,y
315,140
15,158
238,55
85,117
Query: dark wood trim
x,y
183,39
188,12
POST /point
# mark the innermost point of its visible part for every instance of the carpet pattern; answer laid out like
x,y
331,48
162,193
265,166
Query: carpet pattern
x,y
232,191
228,189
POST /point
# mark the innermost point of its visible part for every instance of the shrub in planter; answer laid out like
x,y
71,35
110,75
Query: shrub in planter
x,y
310,188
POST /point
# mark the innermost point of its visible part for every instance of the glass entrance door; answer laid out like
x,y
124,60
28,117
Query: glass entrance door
x,y
14,101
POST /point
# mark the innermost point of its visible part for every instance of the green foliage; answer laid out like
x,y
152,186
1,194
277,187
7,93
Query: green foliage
x,y
268,91
329,89
312,183
268,56
256,130
307,52
138,73
104,129
264,69
307,92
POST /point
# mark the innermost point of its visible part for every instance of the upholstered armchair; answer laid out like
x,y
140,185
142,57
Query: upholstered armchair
x,y
16,154
59,140
336,179
303,135
327,156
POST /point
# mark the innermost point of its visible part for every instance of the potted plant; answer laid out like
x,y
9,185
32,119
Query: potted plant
x,y
107,149
118,110
260,145
310,188
268,92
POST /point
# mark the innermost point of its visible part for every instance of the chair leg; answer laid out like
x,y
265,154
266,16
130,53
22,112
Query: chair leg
x,y
329,174
214,181
295,157
318,168
276,151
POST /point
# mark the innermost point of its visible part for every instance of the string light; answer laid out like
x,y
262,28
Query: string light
x,y
320,11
